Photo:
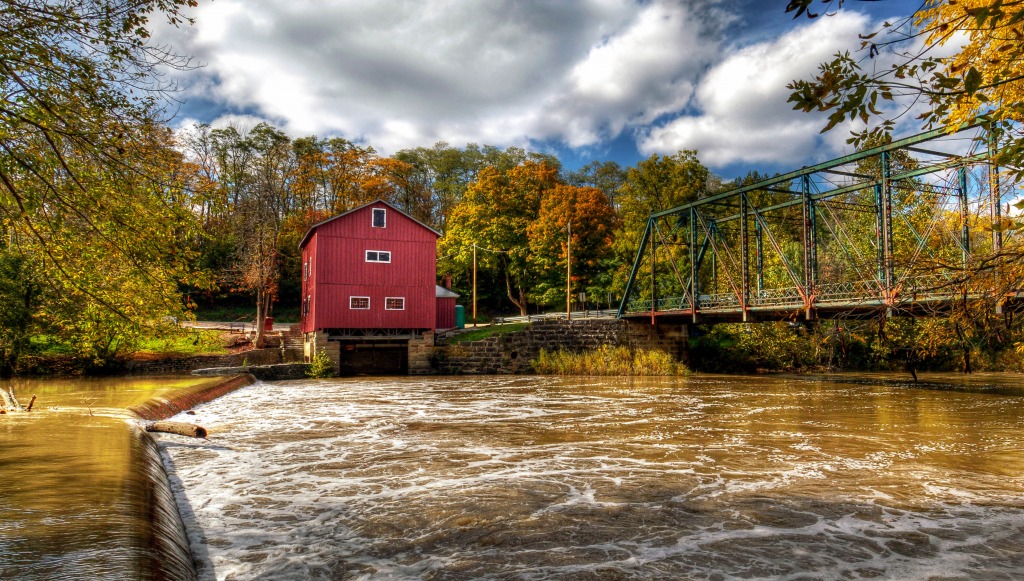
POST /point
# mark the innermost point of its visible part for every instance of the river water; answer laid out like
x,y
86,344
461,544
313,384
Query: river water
x,y
704,477
78,498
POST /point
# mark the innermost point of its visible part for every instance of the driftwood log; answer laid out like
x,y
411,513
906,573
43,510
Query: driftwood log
x,y
179,428
10,403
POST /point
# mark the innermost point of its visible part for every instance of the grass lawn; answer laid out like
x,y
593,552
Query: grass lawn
x,y
244,314
189,342
489,331
184,342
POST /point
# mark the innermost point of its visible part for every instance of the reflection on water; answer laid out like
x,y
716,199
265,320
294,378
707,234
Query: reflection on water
x,y
547,478
74,489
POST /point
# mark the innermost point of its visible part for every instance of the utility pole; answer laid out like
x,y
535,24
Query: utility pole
x,y
568,272
474,284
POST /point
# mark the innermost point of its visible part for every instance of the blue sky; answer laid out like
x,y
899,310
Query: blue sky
x,y
587,79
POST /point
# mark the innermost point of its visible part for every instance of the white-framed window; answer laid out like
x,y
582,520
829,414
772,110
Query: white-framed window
x,y
305,305
305,270
359,303
380,218
394,303
378,256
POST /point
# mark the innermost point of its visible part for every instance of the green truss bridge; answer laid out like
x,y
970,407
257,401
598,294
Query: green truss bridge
x,y
904,228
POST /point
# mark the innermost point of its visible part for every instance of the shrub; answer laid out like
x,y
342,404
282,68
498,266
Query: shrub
x,y
321,366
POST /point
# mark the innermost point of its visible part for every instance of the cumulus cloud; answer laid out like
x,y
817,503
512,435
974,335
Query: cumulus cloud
x,y
406,73
409,72
742,113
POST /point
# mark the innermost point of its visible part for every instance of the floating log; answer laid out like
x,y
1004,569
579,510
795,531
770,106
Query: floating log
x,y
31,403
9,400
179,428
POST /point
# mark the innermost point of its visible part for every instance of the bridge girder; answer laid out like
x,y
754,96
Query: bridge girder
x,y
878,230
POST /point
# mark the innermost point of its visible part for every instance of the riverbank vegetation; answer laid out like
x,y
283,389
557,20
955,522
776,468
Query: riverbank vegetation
x,y
608,361
901,344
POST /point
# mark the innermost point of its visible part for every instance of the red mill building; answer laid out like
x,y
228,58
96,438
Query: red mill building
x,y
370,297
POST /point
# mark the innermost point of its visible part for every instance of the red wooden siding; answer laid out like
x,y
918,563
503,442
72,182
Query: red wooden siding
x,y
445,313
308,314
338,250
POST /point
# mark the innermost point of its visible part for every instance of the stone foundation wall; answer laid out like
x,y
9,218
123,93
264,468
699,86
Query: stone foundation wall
x,y
512,353
421,351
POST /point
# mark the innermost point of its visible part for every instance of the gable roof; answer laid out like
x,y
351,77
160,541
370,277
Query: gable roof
x,y
442,293
309,234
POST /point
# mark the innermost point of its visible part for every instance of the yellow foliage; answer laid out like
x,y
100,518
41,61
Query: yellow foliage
x,y
990,58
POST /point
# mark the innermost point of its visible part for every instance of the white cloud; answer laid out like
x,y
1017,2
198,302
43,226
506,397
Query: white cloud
x,y
742,110
407,73
410,72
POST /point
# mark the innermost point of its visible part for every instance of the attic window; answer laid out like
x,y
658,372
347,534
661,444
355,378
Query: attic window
x,y
378,256
380,218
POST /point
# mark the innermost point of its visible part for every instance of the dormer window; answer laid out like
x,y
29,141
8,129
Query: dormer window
x,y
380,218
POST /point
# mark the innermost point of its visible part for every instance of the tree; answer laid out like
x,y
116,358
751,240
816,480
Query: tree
x,y
86,168
494,216
656,183
982,82
19,293
255,169
593,221
606,176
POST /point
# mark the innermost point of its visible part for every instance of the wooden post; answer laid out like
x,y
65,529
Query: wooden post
x,y
474,285
568,272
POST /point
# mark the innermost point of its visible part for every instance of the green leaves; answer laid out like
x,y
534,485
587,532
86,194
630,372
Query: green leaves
x,y
972,80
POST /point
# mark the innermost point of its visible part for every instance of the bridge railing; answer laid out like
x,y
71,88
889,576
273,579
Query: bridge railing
x,y
776,297
918,288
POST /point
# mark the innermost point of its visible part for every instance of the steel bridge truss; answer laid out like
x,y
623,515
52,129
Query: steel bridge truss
x,y
894,227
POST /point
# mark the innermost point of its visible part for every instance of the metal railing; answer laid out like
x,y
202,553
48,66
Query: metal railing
x,y
929,287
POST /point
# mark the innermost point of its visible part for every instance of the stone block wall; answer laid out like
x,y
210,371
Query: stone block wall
x,y
421,351
512,353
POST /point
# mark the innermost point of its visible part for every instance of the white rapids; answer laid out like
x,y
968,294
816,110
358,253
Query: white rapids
x,y
547,478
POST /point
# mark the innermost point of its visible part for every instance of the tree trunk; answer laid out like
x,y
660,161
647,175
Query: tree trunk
x,y
521,300
260,339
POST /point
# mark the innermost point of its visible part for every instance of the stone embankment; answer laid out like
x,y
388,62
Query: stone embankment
x,y
512,353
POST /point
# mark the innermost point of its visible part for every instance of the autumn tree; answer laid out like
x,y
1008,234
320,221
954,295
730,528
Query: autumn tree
x,y
494,216
330,174
656,183
82,170
592,221
982,81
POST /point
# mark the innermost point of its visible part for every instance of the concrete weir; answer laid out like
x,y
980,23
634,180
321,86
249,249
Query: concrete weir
x,y
163,544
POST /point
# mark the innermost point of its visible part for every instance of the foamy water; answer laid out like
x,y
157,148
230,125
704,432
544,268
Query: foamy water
x,y
545,478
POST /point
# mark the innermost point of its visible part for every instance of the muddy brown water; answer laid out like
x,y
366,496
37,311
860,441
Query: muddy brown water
x,y
706,477
78,485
